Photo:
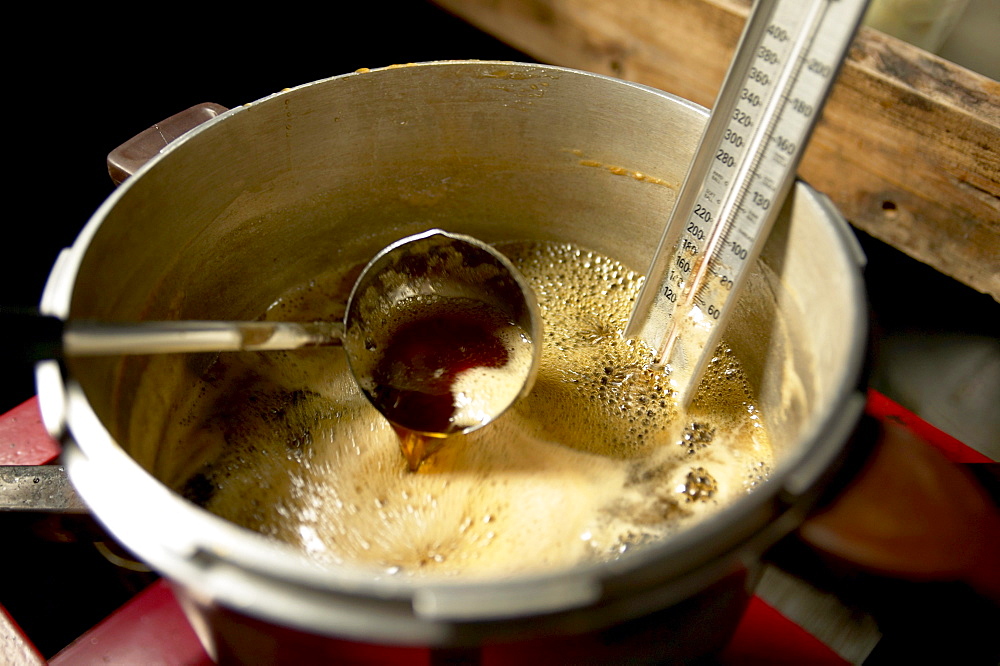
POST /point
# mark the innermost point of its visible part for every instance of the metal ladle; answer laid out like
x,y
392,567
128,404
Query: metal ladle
x,y
414,278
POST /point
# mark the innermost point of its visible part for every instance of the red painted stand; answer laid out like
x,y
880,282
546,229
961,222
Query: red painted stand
x,y
151,627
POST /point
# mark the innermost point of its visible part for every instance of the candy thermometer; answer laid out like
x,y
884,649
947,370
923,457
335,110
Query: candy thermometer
x,y
785,63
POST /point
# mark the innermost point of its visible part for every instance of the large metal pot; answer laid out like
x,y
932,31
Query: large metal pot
x,y
264,196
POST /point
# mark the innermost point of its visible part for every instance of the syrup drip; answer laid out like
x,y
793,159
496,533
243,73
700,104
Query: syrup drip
x,y
419,366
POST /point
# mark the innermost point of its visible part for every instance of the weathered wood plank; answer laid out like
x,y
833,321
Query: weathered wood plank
x,y
908,147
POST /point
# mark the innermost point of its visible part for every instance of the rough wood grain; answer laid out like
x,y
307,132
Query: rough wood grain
x,y
908,146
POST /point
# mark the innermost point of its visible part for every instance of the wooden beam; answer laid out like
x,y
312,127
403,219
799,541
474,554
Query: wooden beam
x,y
908,146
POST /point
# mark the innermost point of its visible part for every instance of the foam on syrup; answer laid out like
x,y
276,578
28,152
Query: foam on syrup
x,y
596,461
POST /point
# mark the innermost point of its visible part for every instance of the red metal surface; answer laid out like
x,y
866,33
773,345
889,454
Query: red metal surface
x,y
885,409
766,637
23,439
151,627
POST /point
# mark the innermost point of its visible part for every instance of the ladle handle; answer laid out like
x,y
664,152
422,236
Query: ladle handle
x,y
40,336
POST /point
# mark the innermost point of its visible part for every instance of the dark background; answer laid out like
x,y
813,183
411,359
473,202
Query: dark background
x,y
82,81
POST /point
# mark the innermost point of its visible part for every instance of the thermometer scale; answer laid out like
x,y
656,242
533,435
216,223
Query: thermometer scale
x,y
785,64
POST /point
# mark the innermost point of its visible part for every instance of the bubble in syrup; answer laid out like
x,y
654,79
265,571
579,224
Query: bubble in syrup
x,y
699,485
696,436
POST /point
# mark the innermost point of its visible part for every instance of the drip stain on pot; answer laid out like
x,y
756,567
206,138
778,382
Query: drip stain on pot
x,y
622,171
594,463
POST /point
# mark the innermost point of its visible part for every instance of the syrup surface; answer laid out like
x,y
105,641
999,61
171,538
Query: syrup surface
x,y
595,462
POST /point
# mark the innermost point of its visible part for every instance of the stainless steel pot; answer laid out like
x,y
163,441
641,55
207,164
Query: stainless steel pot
x,y
264,196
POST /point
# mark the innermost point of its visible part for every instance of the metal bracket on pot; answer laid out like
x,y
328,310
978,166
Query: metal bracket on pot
x,y
41,488
126,159
510,600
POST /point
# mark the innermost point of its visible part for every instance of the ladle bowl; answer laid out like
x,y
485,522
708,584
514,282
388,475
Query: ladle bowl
x,y
422,277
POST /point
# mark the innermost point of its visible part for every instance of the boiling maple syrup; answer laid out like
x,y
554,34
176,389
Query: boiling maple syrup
x,y
595,462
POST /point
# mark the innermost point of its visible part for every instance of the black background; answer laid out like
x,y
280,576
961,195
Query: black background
x,y
82,81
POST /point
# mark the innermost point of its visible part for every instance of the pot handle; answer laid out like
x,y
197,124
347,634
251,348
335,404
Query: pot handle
x,y
910,512
910,539
127,158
